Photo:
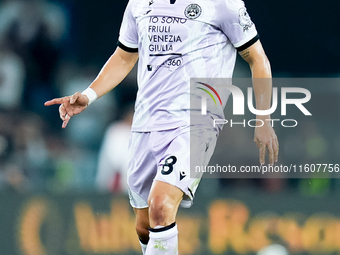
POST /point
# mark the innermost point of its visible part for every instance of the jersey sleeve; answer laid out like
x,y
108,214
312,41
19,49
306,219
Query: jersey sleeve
x,y
128,35
236,23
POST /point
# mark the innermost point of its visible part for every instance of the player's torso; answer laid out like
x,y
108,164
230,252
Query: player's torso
x,y
177,40
168,30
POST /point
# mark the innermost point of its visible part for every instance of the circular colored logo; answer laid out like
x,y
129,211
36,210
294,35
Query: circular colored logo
x,y
193,11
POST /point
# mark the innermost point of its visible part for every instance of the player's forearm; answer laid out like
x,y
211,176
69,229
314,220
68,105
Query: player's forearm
x,y
114,71
261,73
262,84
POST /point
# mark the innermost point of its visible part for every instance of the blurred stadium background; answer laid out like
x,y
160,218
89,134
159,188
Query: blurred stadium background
x,y
62,191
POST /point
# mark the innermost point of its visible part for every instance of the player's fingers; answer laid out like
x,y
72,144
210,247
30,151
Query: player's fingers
x,y
54,101
276,149
66,120
262,148
62,111
270,153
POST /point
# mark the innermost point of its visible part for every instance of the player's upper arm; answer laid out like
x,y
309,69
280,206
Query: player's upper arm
x,y
254,53
258,61
127,56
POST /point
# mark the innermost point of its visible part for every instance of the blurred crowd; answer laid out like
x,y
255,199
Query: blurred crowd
x,y
91,153
35,154
31,35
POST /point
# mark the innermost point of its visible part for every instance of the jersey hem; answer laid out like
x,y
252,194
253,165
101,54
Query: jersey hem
x,y
249,43
159,128
127,47
245,40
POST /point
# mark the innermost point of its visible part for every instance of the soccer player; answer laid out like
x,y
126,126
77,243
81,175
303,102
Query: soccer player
x,y
176,40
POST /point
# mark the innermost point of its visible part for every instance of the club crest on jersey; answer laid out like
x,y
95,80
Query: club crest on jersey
x,y
244,19
193,11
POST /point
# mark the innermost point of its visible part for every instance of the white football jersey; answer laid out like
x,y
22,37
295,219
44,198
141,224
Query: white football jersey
x,y
178,40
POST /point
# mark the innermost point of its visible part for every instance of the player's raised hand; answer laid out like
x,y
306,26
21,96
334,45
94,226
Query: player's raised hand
x,y
266,140
69,106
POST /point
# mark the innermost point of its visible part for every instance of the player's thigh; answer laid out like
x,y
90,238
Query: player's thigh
x,y
167,191
172,152
142,169
184,146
